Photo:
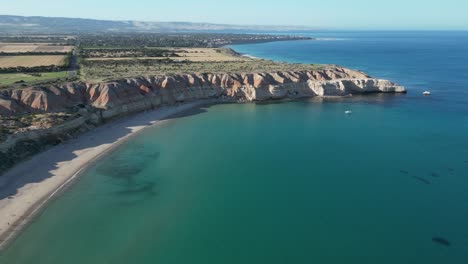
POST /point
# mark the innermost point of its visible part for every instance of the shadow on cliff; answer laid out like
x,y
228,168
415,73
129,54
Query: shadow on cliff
x,y
41,166
381,99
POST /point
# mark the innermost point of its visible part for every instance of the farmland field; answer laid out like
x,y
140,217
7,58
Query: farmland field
x,y
31,47
32,61
7,79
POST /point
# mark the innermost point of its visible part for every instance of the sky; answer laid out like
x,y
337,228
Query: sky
x,y
321,14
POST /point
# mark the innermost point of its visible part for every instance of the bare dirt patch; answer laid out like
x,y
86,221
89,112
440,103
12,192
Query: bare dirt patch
x,y
31,61
31,47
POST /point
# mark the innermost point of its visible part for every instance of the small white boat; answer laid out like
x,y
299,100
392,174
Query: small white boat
x,y
426,93
348,112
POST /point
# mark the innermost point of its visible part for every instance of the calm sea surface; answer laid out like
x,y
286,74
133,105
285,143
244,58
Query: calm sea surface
x,y
296,182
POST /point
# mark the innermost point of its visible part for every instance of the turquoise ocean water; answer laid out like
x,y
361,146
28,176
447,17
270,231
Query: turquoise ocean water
x,y
295,182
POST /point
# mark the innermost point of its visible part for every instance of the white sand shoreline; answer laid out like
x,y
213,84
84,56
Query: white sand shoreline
x,y
250,57
26,188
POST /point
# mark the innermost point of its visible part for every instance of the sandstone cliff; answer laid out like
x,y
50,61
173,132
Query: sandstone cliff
x,y
138,94
87,104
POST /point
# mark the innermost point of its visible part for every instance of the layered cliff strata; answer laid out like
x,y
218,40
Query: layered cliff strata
x,y
80,105
136,94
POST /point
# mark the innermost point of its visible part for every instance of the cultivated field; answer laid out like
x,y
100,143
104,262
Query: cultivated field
x,y
9,79
31,47
32,61
39,39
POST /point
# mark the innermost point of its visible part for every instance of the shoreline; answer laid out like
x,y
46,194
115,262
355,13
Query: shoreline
x,y
245,55
27,187
23,197
58,167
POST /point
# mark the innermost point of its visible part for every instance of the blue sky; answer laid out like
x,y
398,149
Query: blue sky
x,y
323,14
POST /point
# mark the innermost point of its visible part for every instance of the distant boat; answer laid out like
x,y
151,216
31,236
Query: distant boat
x,y
348,112
426,93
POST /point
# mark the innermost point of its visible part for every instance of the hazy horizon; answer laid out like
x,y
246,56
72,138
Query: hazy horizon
x,y
332,15
312,28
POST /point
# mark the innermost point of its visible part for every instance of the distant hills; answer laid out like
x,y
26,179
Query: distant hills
x,y
59,25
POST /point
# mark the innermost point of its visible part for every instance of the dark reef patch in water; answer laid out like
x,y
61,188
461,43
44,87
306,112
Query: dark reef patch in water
x,y
421,179
435,175
404,172
147,188
154,155
124,168
441,241
119,169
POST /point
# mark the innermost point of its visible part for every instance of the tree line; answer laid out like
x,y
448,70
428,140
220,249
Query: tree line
x,y
32,53
21,69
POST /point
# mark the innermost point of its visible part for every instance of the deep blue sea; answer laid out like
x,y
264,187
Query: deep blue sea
x,y
435,61
295,182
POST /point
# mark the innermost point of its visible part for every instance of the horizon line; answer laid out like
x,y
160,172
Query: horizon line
x,y
306,27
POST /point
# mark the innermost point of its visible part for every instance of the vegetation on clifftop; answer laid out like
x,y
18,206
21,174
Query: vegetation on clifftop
x,y
190,40
109,56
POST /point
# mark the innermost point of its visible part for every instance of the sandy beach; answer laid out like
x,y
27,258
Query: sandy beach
x,y
27,187
250,57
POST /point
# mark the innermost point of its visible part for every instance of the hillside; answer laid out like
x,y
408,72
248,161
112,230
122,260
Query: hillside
x,y
20,24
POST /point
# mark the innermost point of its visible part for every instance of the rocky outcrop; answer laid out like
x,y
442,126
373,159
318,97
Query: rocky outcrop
x,y
346,87
137,94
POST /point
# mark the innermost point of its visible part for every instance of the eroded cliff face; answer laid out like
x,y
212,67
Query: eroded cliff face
x,y
55,113
136,94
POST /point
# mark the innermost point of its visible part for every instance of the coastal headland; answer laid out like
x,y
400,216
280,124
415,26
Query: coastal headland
x,y
52,131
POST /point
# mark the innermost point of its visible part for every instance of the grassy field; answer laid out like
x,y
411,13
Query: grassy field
x,y
31,47
32,61
9,79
